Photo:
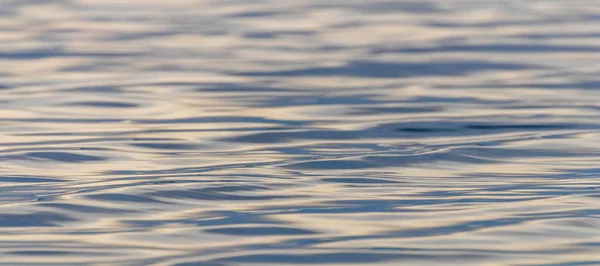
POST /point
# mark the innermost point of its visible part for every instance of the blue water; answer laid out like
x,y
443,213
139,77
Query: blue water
x,y
294,132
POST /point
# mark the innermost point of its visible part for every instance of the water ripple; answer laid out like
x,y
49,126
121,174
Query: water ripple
x,y
267,132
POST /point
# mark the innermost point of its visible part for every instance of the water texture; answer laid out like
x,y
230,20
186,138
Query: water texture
x,y
295,132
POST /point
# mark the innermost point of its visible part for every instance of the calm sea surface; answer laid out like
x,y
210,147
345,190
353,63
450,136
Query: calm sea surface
x,y
297,132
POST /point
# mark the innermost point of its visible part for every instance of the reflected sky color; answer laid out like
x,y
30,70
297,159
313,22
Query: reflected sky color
x,y
220,133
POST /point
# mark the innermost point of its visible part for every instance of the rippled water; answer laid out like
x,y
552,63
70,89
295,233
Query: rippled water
x,y
284,132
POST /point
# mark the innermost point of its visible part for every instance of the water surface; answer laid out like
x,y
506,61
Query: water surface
x,y
234,132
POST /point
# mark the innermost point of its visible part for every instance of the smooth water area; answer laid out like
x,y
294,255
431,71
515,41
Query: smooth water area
x,y
297,132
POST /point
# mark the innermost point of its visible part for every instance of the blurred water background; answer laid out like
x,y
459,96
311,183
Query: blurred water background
x,y
297,132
